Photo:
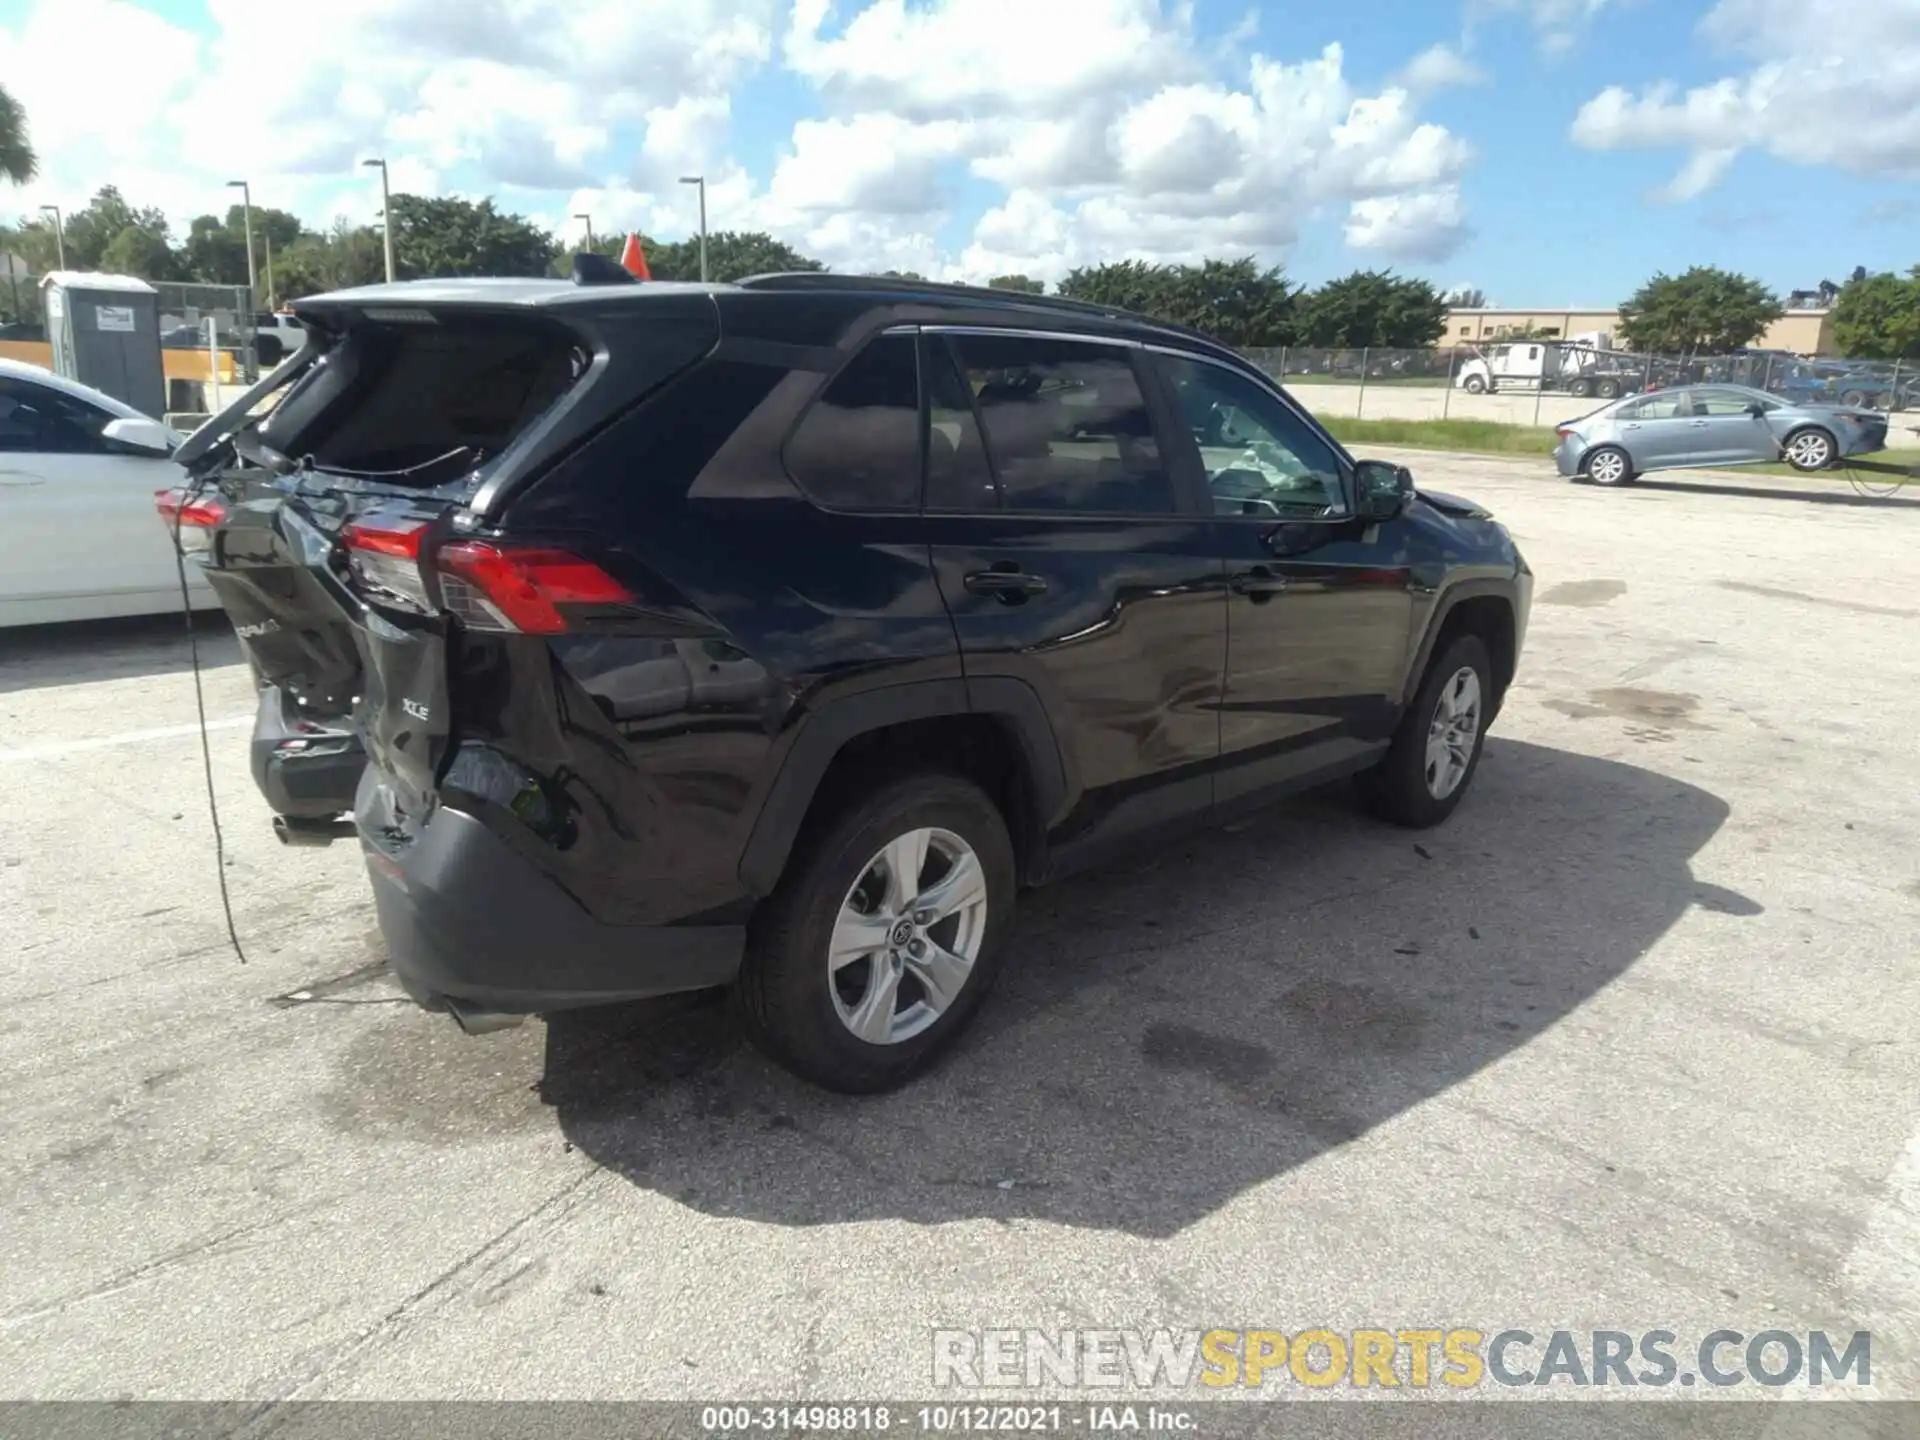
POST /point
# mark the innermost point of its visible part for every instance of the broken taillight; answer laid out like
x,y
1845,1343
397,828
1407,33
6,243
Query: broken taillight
x,y
386,561
193,521
498,587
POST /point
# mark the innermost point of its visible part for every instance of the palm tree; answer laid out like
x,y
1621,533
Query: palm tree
x,y
17,160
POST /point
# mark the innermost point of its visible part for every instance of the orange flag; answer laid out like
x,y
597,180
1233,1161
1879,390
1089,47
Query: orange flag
x,y
634,260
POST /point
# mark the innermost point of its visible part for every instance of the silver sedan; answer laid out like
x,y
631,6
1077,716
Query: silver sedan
x,y
1695,425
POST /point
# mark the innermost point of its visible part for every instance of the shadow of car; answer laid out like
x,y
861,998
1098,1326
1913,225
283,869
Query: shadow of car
x,y
1165,1037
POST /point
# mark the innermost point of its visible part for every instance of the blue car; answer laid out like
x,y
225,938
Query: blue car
x,y
1704,425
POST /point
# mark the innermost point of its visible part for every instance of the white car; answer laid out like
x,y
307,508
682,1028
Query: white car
x,y
80,537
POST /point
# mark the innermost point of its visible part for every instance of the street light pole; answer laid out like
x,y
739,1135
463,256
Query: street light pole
x,y
701,181
246,213
386,213
588,221
59,234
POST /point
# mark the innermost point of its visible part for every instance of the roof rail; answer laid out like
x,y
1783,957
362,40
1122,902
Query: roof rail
x,y
900,285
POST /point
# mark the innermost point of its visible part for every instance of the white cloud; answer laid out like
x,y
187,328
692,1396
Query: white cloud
x,y
1836,84
1438,68
1422,225
1558,24
1075,130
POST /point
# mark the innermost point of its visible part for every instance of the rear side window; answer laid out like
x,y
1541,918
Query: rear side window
x,y
1067,427
858,445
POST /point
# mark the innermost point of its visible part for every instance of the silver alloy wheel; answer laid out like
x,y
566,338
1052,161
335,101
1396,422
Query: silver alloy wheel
x,y
1609,467
1452,732
1810,450
907,935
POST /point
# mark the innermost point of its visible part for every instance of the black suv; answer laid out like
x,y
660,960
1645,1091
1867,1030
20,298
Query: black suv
x,y
776,634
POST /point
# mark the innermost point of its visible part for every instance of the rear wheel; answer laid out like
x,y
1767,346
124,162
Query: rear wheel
x,y
1609,465
1810,449
1580,388
268,350
1608,389
1437,748
1853,397
880,945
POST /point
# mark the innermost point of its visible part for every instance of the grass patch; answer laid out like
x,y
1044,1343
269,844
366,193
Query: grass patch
x,y
1483,437
1492,437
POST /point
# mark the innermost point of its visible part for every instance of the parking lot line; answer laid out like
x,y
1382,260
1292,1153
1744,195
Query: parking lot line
x,y
25,753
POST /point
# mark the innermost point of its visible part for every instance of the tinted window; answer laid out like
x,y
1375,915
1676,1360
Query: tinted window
x,y
37,420
1260,457
858,446
1067,427
958,475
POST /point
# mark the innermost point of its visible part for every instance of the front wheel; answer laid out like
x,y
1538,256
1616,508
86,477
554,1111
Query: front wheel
x,y
1474,385
1609,465
1437,748
1810,449
878,948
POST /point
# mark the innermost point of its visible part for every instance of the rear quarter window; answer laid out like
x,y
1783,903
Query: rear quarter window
x,y
857,447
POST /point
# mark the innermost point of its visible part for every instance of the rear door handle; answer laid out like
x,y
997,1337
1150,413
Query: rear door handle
x,y
21,478
1005,582
1258,584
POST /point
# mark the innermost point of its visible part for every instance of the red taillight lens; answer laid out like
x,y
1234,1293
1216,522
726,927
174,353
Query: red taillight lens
x,y
495,587
191,521
386,561
1563,432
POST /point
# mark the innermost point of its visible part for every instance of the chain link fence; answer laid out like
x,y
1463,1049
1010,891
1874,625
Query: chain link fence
x,y
1544,381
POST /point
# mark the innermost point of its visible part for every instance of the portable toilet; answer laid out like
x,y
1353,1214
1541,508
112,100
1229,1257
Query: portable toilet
x,y
105,332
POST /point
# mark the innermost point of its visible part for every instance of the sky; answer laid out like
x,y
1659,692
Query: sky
x,y
1546,152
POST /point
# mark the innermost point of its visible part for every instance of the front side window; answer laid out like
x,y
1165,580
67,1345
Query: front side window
x,y
858,446
1260,457
1066,424
36,420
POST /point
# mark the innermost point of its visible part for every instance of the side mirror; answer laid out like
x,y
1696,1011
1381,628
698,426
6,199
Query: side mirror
x,y
1381,489
148,437
1756,408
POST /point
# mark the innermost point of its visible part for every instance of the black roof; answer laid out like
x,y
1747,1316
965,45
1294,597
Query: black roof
x,y
831,293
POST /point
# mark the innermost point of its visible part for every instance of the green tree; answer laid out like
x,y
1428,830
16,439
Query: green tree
x,y
731,255
449,236
1018,282
1234,301
1373,307
142,251
902,275
90,230
17,160
215,250
1877,317
344,256
1122,284
1704,310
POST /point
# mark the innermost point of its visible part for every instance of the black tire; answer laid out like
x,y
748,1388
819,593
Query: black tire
x,y
1608,389
268,350
1581,388
1397,789
1611,475
785,992
1475,385
1854,398
1809,437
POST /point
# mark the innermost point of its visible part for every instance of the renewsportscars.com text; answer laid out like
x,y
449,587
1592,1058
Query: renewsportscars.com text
x,y
1412,1358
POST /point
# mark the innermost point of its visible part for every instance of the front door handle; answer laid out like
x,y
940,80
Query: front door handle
x,y
1699,424
1006,582
1259,584
21,478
